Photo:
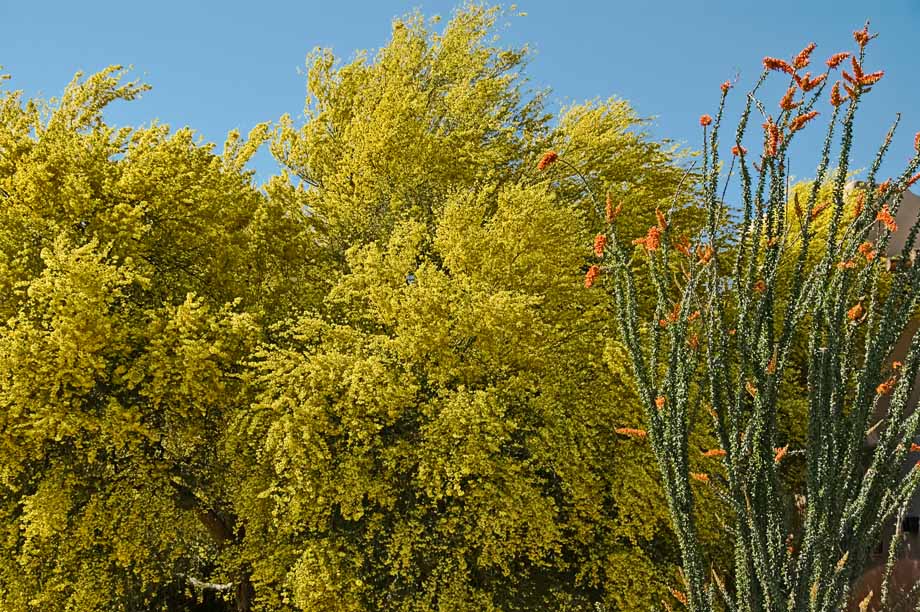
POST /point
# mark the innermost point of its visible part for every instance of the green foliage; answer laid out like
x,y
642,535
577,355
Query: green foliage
x,y
379,385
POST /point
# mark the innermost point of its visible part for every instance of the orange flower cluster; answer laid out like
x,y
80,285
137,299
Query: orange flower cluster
x,y
738,150
652,240
760,286
751,389
837,59
780,453
883,188
631,432
856,312
660,402
600,243
836,98
807,83
771,365
860,78
804,57
662,222
773,63
704,253
846,265
885,216
914,448
705,120
817,210
917,142
886,387
725,87
786,103
800,121
862,37
693,341
860,203
591,276
611,213
912,180
704,478
547,160
671,316
867,251
774,137
715,452
678,596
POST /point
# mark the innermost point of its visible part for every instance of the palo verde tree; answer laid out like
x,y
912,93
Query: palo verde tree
x,y
729,341
430,436
136,270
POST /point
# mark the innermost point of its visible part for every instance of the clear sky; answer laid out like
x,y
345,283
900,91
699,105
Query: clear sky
x,y
231,64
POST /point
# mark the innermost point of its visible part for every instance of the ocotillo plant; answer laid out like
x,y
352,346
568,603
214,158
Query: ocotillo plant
x,y
721,335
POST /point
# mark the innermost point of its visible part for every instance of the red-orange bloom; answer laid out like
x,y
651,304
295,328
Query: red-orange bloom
x,y
726,86
683,245
694,316
885,216
610,212
800,121
760,286
662,222
600,243
773,63
704,478
771,365
659,402
774,137
856,312
787,103
738,150
591,276
705,120
912,180
704,253
860,203
652,239
857,68
631,432
917,142
883,188
886,387
804,56
837,59
846,265
679,596
715,452
780,453
809,84
914,448
867,251
817,210
547,160
871,78
836,98
862,37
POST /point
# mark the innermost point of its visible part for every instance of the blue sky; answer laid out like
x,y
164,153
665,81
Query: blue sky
x,y
231,64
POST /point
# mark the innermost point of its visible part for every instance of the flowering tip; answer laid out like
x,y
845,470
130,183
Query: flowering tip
x,y
787,103
600,243
631,432
591,276
705,120
704,253
884,215
699,477
871,78
866,250
837,59
856,312
662,222
809,84
912,181
738,150
547,160
917,142
760,286
914,448
804,56
886,387
773,63
862,37
725,87
799,122
836,98
660,402
715,452
780,453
